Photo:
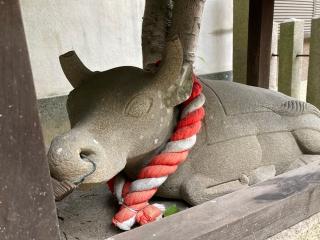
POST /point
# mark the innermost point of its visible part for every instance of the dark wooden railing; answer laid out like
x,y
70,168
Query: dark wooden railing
x,y
27,209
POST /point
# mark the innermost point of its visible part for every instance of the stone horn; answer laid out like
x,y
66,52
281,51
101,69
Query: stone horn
x,y
175,76
75,71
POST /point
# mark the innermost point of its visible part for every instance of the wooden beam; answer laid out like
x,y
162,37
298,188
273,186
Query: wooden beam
x,y
27,209
256,212
290,66
313,90
240,40
259,42
273,75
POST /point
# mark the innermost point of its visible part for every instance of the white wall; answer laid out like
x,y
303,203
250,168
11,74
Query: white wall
x,y
215,43
106,34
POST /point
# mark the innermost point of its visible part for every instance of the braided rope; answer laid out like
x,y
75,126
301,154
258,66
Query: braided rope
x,y
133,197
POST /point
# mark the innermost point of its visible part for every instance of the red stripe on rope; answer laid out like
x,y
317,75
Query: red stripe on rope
x,y
133,198
169,159
124,213
191,118
126,189
196,90
110,184
157,171
186,132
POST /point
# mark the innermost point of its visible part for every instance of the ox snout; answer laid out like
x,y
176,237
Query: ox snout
x,y
74,156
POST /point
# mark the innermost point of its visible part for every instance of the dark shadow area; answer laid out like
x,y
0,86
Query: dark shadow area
x,y
285,187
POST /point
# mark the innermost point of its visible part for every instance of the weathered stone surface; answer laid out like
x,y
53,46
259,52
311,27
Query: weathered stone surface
x,y
87,214
54,118
121,117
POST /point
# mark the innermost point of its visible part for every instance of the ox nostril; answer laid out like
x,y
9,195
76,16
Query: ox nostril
x,y
84,155
74,158
86,152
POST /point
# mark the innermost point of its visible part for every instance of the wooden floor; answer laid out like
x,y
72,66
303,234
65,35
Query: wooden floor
x,y
256,212
86,214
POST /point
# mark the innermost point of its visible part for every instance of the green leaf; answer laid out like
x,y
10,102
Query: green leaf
x,y
171,210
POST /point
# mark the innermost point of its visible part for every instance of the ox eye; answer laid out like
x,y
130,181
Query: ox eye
x,y
138,106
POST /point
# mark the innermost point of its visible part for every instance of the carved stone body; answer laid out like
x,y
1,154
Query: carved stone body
x,y
249,135
121,117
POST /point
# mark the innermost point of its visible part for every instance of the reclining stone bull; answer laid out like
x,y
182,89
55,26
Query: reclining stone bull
x,y
123,116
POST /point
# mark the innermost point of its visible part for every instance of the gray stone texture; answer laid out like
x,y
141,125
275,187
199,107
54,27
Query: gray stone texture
x,y
121,117
54,117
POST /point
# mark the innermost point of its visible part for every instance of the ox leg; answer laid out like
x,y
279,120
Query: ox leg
x,y
199,189
261,174
308,141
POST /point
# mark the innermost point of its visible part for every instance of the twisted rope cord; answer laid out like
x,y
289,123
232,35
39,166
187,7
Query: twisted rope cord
x,y
134,196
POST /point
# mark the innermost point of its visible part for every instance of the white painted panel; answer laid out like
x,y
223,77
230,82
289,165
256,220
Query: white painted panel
x,y
317,8
215,43
105,34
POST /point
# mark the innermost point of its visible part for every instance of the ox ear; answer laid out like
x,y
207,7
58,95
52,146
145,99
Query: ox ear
x,y
174,76
75,71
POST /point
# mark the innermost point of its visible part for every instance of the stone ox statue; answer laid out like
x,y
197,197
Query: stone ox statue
x,y
123,116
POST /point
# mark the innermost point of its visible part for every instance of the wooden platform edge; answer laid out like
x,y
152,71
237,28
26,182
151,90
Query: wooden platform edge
x,y
257,212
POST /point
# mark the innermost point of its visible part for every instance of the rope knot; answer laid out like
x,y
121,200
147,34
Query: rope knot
x,y
142,213
148,214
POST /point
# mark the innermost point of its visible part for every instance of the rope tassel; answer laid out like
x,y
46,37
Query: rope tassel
x,y
133,197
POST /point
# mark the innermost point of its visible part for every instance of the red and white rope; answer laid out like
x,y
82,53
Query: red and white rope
x,y
134,196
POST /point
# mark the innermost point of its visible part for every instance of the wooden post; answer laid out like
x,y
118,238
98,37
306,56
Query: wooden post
x,y
259,42
240,40
273,79
290,64
27,209
313,89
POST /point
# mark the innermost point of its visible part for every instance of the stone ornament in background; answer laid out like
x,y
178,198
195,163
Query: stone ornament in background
x,y
123,116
